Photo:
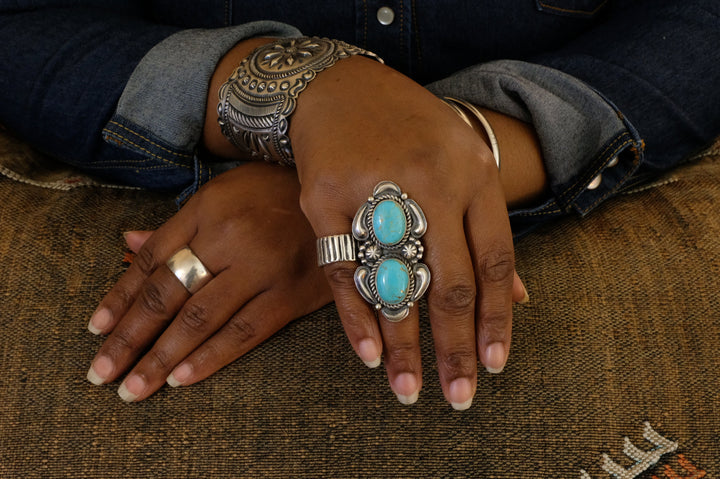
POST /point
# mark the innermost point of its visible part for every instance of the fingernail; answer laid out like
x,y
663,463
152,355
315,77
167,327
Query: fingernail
x,y
461,394
368,352
406,389
100,370
100,320
495,358
179,375
526,298
131,388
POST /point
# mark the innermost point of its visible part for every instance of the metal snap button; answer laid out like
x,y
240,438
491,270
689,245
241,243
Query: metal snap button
x,y
595,182
385,15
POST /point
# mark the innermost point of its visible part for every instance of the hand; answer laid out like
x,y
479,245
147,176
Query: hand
x,y
359,123
263,278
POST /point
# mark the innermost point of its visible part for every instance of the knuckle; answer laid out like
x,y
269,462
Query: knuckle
x,y
145,261
340,276
160,358
497,265
121,342
241,329
194,317
152,299
457,298
401,352
494,324
458,363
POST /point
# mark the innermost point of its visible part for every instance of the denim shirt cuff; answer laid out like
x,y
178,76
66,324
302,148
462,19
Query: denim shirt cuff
x,y
590,150
161,112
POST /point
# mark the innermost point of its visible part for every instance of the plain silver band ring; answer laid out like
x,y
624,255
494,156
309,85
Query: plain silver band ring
x,y
189,270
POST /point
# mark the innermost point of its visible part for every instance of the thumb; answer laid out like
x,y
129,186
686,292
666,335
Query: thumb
x,y
136,239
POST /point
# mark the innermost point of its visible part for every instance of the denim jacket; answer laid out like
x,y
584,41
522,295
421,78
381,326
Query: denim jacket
x,y
617,91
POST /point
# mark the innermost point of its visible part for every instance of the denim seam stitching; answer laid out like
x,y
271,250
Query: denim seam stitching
x,y
611,191
571,190
182,155
111,133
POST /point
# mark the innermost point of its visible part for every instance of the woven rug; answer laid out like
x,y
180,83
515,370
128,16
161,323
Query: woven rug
x,y
613,370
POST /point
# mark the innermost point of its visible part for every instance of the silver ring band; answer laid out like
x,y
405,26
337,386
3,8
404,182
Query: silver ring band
x,y
189,270
331,249
385,240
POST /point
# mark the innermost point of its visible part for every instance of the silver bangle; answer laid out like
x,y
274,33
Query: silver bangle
x,y
259,97
457,105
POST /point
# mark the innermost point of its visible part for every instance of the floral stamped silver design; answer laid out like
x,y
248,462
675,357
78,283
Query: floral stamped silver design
x,y
260,95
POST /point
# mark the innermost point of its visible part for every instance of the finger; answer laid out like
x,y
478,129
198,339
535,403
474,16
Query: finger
x,y
491,247
156,250
256,321
402,356
519,292
451,304
159,299
358,318
200,317
136,239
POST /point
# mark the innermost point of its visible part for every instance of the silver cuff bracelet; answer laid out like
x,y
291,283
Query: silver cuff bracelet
x,y
259,97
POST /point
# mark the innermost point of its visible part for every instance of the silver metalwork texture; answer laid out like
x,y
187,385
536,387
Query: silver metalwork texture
x,y
259,97
335,248
457,105
189,270
373,249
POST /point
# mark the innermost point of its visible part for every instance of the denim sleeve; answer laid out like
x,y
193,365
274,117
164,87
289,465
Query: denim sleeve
x,y
69,73
625,101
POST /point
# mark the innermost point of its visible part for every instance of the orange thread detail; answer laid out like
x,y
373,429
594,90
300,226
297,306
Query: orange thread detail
x,y
568,10
695,473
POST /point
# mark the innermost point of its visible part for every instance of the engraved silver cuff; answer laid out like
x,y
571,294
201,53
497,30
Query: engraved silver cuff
x,y
259,97
385,239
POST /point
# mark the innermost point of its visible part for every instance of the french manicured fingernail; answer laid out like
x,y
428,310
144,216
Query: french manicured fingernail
x,y
368,352
179,375
100,370
495,358
461,394
100,320
526,298
131,388
406,389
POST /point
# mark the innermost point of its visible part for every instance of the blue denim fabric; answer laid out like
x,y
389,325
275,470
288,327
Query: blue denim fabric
x,y
636,74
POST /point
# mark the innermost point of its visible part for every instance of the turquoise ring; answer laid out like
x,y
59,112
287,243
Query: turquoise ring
x,y
385,240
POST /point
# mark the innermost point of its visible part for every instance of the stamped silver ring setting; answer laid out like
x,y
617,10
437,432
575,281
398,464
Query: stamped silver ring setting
x,y
385,241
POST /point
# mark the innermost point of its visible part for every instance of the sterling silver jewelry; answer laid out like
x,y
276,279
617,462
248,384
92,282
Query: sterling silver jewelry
x,y
457,105
189,270
385,239
259,97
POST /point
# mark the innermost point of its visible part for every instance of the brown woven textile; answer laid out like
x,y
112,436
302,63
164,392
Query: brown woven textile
x,y
623,328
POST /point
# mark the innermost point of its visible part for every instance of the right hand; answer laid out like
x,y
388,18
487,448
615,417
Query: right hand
x,y
247,228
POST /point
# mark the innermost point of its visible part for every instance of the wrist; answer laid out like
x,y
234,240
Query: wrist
x,y
213,138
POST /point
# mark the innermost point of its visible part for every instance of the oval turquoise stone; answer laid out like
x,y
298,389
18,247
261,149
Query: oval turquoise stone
x,y
389,222
392,281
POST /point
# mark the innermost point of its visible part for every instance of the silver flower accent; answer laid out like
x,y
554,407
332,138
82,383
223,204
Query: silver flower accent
x,y
372,252
409,251
286,54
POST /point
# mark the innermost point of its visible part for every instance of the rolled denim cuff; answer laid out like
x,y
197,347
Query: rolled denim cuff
x,y
161,112
589,148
